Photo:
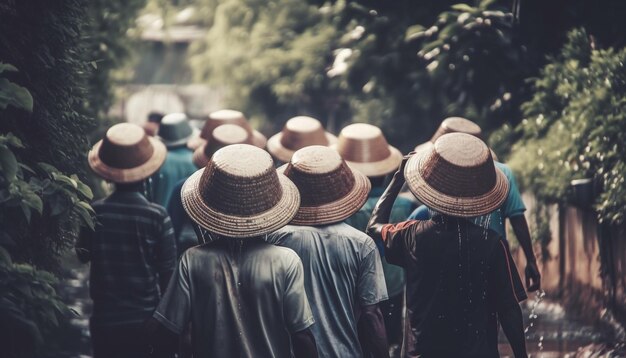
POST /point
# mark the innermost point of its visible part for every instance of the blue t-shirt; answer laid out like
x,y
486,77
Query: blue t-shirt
x,y
178,165
513,206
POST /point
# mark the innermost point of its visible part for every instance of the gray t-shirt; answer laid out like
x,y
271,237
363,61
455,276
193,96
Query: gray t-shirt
x,y
243,298
342,273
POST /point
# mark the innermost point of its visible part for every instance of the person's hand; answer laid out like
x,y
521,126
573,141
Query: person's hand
x,y
533,277
405,159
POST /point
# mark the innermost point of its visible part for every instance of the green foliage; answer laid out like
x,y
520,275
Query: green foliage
x,y
107,47
13,94
471,55
575,125
37,201
270,55
32,295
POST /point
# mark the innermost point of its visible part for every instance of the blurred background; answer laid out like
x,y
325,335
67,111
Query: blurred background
x,y
544,79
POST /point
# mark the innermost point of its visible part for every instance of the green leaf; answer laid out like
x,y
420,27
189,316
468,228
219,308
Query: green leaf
x,y
414,32
47,168
33,200
8,163
7,67
11,140
5,257
83,210
26,211
64,179
15,95
463,8
85,190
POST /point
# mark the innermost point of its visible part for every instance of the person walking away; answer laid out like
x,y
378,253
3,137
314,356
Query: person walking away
x,y
222,136
243,296
513,207
175,131
364,147
460,281
343,274
132,250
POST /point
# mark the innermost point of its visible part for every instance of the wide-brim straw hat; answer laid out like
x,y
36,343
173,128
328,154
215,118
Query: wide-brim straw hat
x,y
221,137
298,132
126,154
456,176
365,148
331,191
175,130
226,116
457,125
239,194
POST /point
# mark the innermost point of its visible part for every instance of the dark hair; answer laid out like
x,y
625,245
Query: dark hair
x,y
155,117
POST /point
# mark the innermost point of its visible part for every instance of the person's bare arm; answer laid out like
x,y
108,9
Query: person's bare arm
x,y
371,327
304,344
513,327
533,276
382,210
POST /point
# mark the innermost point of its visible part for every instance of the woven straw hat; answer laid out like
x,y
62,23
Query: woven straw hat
x,y
330,190
175,130
298,132
365,148
227,116
239,194
456,176
457,125
126,154
222,136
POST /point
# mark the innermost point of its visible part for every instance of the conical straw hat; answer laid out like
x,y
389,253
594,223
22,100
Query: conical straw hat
x,y
175,130
222,136
126,154
456,176
365,148
227,116
239,194
330,190
298,132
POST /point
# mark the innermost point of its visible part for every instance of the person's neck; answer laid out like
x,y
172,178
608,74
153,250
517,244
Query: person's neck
x,y
130,187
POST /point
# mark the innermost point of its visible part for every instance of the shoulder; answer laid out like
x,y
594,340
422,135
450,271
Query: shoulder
x,y
505,169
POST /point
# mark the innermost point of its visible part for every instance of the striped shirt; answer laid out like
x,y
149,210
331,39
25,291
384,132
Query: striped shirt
x,y
132,246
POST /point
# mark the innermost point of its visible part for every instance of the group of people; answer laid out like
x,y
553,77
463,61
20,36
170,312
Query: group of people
x,y
217,242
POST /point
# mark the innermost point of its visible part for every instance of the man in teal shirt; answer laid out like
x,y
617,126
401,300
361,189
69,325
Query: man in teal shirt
x,y
174,131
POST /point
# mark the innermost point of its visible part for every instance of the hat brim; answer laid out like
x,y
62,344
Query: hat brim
x,y
130,175
381,167
335,211
280,152
258,140
195,133
235,226
452,205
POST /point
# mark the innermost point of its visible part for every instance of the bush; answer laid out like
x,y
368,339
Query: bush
x,y
574,126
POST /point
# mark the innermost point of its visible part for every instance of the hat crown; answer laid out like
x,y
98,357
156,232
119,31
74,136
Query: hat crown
x,y
302,131
363,143
175,126
225,135
320,174
240,180
125,146
224,116
457,125
459,165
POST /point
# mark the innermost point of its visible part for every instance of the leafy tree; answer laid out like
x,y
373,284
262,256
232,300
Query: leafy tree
x,y
574,126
